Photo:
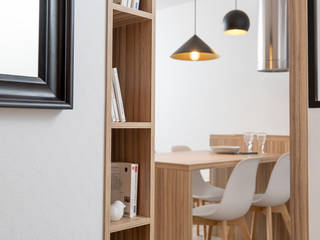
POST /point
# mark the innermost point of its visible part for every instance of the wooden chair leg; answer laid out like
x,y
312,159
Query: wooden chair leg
x,y
196,203
210,233
286,218
253,225
205,232
225,230
268,213
244,228
231,234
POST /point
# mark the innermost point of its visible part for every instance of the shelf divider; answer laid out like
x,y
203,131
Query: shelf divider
x,y
137,125
124,15
128,223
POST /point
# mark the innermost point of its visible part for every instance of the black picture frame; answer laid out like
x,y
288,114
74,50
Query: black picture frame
x,y
53,88
313,55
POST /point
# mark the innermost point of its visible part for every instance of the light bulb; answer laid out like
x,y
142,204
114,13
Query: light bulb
x,y
194,55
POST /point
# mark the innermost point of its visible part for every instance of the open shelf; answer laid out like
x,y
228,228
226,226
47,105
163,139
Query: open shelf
x,y
132,56
137,125
128,223
124,15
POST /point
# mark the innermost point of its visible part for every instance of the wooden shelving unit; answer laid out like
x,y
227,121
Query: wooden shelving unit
x,y
130,48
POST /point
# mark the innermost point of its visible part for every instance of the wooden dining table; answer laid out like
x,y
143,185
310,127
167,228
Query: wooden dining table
x,y
173,187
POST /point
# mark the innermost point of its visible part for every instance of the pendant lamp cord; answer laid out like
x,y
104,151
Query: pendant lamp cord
x,y
195,16
236,4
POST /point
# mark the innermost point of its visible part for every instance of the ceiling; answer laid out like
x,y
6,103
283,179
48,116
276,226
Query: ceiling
x,y
169,3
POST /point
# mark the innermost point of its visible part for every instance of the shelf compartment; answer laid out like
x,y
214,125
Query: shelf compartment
x,y
137,125
124,15
132,56
128,223
136,233
134,146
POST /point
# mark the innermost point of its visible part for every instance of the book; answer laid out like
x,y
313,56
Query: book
x,y
114,105
113,116
117,1
116,85
136,4
124,3
124,186
129,4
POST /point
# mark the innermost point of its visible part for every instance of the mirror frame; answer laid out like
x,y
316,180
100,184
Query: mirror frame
x,y
314,101
53,88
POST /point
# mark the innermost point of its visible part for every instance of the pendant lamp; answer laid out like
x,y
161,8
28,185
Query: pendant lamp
x,y
236,22
195,49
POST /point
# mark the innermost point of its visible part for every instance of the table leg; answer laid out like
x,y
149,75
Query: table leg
x,y
173,204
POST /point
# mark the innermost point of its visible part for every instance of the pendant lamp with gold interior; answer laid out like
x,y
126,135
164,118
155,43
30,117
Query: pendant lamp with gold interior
x,y
195,49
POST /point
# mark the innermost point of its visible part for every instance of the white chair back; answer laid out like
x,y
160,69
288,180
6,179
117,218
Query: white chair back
x,y
278,190
239,191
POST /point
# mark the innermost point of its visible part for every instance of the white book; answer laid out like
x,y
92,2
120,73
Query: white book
x,y
136,4
113,116
124,186
129,4
116,85
114,104
124,2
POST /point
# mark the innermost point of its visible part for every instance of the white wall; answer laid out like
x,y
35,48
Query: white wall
x,y
226,95
51,167
314,166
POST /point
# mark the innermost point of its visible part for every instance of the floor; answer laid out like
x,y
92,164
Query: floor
x,y
195,237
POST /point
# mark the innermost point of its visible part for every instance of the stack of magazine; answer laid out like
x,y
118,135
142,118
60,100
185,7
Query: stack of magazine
x,y
128,3
124,186
117,111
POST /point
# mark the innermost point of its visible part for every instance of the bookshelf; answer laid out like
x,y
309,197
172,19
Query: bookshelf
x,y
130,48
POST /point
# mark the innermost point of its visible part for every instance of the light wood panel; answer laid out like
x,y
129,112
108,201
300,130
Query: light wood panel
x,y
298,53
128,223
173,197
219,177
274,144
193,160
131,125
125,16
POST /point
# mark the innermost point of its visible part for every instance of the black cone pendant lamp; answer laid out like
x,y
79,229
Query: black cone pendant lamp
x,y
236,22
195,49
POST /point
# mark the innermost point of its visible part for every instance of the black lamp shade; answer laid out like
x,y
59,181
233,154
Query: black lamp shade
x,y
236,22
195,50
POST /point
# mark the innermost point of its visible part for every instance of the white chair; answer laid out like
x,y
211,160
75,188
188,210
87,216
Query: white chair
x,y
275,198
201,190
235,203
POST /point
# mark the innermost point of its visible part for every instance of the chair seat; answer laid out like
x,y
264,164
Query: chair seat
x,y
264,200
211,194
205,211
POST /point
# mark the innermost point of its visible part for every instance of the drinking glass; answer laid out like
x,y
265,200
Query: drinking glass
x,y
248,139
262,140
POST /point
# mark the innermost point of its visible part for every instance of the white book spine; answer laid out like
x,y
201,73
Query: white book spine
x,y
129,3
136,4
124,2
113,116
114,105
116,85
